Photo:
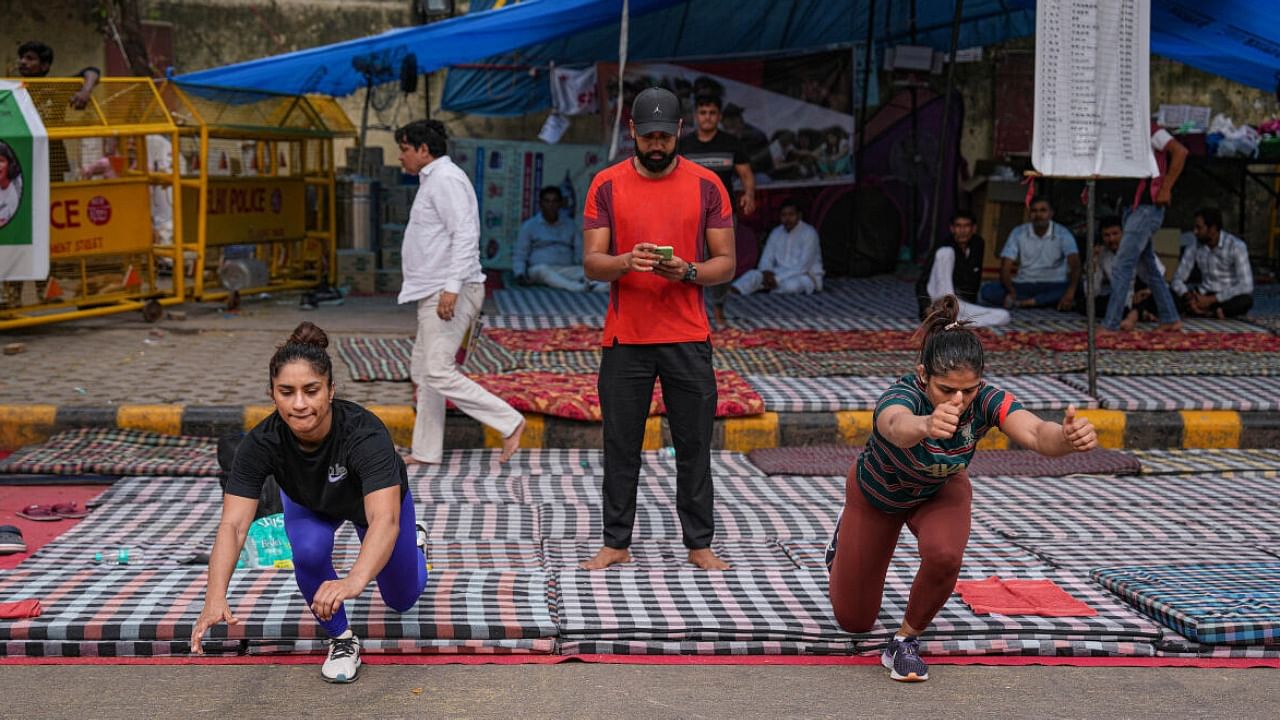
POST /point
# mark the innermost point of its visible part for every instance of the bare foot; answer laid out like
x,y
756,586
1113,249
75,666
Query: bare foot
x,y
1221,315
511,443
1175,326
606,557
411,460
707,560
1130,321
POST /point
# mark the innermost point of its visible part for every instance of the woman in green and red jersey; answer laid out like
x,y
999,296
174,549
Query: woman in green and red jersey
x,y
914,472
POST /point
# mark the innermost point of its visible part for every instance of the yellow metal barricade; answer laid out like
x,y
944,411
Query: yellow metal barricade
x,y
107,171
257,188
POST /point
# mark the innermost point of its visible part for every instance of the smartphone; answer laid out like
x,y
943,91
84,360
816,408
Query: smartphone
x,y
666,251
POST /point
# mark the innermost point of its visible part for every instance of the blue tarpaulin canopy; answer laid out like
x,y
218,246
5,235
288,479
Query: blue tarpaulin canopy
x,y
1237,39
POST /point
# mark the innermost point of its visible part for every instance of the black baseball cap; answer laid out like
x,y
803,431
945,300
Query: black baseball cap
x,y
656,110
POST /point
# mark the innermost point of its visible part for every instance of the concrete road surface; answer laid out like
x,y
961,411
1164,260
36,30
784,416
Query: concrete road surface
x,y
614,692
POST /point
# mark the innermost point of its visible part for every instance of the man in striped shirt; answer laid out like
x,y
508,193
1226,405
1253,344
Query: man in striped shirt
x,y
1226,277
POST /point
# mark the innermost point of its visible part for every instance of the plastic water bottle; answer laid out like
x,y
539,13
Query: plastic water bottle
x,y
122,556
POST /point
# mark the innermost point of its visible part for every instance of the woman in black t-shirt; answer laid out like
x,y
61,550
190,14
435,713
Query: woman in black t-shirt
x,y
334,462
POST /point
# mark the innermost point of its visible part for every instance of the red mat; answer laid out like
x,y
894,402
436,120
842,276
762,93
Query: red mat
x,y
373,659
575,396
37,534
581,338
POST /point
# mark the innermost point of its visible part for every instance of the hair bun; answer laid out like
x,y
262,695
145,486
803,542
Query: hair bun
x,y
307,333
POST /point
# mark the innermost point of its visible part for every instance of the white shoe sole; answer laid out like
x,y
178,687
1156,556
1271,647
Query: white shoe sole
x,y
887,662
342,679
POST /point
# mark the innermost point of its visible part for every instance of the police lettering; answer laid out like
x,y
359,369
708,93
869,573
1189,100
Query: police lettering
x,y
237,201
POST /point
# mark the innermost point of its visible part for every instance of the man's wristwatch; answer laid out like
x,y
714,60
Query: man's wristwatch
x,y
690,273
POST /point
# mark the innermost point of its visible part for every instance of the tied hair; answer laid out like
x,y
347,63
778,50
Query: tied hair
x,y
946,342
307,343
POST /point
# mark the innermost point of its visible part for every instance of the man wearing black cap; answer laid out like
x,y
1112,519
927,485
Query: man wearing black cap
x,y
658,229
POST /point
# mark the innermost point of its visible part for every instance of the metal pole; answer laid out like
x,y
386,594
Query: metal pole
x,y
866,85
1089,291
946,118
364,124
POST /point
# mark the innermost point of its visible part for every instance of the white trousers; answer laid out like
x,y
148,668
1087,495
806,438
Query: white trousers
x,y
434,368
564,277
752,280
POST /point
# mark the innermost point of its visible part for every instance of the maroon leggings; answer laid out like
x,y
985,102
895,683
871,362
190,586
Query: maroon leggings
x,y
865,546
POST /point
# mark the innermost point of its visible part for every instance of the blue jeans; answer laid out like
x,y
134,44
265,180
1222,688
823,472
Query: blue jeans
x,y
1044,293
1136,247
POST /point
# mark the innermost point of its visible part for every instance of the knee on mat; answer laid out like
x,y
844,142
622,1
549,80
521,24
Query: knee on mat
x,y
854,622
402,603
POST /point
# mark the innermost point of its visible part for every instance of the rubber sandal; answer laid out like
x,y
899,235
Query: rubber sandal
x,y
69,510
39,513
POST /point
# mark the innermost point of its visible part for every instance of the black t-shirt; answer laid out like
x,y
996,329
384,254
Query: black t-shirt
x,y
718,155
357,458
966,274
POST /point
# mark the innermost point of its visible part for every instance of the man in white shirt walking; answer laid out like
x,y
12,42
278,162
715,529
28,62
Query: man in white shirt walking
x,y
792,258
441,264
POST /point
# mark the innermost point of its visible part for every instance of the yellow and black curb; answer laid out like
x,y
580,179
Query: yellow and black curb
x,y
1218,429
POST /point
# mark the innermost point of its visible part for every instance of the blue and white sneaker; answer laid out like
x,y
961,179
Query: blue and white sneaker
x,y
831,548
902,658
343,663
422,543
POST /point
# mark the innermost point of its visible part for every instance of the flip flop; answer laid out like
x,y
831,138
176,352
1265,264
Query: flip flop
x,y
39,513
69,510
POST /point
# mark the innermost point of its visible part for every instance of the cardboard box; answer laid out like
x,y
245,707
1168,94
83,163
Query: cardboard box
x,y
391,258
362,282
392,235
388,281
352,261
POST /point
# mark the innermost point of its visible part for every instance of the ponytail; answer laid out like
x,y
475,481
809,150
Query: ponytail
x,y
946,342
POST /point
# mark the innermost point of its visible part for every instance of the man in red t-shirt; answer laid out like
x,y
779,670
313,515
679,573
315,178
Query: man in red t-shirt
x,y
656,325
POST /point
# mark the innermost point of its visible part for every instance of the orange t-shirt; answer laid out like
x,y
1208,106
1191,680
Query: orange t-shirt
x,y
674,210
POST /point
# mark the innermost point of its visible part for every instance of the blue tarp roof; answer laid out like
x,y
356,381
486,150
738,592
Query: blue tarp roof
x,y
1236,39
332,69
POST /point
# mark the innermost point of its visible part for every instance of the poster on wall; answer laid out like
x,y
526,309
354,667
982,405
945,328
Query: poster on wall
x,y
24,187
508,176
795,119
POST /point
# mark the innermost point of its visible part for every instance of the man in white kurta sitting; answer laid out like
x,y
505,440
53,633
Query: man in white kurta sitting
x,y
792,258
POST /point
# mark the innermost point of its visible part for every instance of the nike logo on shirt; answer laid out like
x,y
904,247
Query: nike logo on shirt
x,y
337,473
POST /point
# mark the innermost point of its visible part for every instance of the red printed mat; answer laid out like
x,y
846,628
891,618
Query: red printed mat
x,y
837,459
1140,340
576,397
580,338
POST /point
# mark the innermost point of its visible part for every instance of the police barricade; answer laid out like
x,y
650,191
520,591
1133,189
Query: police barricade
x,y
108,174
257,189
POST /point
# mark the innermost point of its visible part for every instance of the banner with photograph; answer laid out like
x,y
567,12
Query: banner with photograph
x,y
24,187
508,176
794,118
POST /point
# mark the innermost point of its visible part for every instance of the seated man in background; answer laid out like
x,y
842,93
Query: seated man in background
x,y
1226,277
792,258
954,267
1112,231
549,248
1048,264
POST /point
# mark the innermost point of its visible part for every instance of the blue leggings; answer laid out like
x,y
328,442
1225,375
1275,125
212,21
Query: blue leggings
x,y
311,535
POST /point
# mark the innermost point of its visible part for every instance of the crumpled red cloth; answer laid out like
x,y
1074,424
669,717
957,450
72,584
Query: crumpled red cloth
x,y
1021,597
20,609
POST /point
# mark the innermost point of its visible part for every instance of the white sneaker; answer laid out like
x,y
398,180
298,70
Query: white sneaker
x,y
421,542
343,663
